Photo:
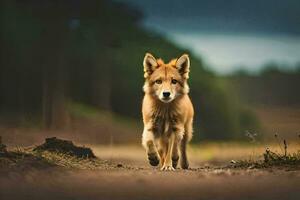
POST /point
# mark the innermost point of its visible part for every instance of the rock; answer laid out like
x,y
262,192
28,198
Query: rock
x,y
119,165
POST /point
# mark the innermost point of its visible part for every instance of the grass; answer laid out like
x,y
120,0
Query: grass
x,y
90,112
273,158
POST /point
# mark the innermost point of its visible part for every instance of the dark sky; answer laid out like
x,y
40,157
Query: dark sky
x,y
229,34
259,16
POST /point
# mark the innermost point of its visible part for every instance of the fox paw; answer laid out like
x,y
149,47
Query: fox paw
x,y
167,168
175,161
184,165
153,159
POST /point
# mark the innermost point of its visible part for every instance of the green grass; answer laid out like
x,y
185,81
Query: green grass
x,y
85,111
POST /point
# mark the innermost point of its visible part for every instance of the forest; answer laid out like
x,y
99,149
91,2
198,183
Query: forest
x,y
56,55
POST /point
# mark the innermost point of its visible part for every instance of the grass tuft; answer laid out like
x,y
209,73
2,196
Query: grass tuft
x,y
272,159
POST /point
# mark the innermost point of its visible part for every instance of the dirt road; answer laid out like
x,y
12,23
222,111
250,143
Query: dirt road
x,y
136,180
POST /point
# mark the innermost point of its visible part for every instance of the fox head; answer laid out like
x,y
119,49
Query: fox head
x,y
166,82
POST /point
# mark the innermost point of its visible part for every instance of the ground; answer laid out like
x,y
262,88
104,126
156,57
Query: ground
x,y
130,177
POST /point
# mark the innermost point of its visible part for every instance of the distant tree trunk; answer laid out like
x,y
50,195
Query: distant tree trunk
x,y
46,100
55,114
2,55
101,83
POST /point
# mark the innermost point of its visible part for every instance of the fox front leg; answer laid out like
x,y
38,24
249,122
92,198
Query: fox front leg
x,y
167,166
148,143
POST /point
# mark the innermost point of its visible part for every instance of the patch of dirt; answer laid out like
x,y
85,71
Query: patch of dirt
x,y
53,153
20,161
150,183
54,144
124,173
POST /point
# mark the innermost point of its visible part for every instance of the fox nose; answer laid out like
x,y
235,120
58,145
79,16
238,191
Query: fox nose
x,y
166,94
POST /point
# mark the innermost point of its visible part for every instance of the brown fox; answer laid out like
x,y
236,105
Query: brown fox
x,y
167,111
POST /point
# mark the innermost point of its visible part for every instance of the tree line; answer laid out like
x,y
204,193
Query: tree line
x,y
56,52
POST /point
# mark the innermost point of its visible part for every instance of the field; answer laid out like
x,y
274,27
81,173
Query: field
x,y
124,173
283,120
128,176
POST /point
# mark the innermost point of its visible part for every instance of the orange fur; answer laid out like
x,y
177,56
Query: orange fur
x,y
167,111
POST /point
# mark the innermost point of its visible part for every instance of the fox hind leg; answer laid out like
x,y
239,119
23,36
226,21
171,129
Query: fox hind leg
x,y
188,134
175,156
183,160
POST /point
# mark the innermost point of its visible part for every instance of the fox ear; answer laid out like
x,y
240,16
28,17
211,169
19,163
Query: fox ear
x,y
149,64
183,65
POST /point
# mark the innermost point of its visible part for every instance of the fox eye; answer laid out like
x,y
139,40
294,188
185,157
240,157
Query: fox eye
x,y
174,81
158,81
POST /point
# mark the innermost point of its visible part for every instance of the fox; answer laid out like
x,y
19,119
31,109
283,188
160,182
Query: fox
x,y
167,111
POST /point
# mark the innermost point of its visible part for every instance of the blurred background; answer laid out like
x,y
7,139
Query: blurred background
x,y
74,69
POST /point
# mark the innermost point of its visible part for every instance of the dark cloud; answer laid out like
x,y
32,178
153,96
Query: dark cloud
x,y
259,16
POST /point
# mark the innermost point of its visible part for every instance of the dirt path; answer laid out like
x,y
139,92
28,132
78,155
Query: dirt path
x,y
136,180
150,184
